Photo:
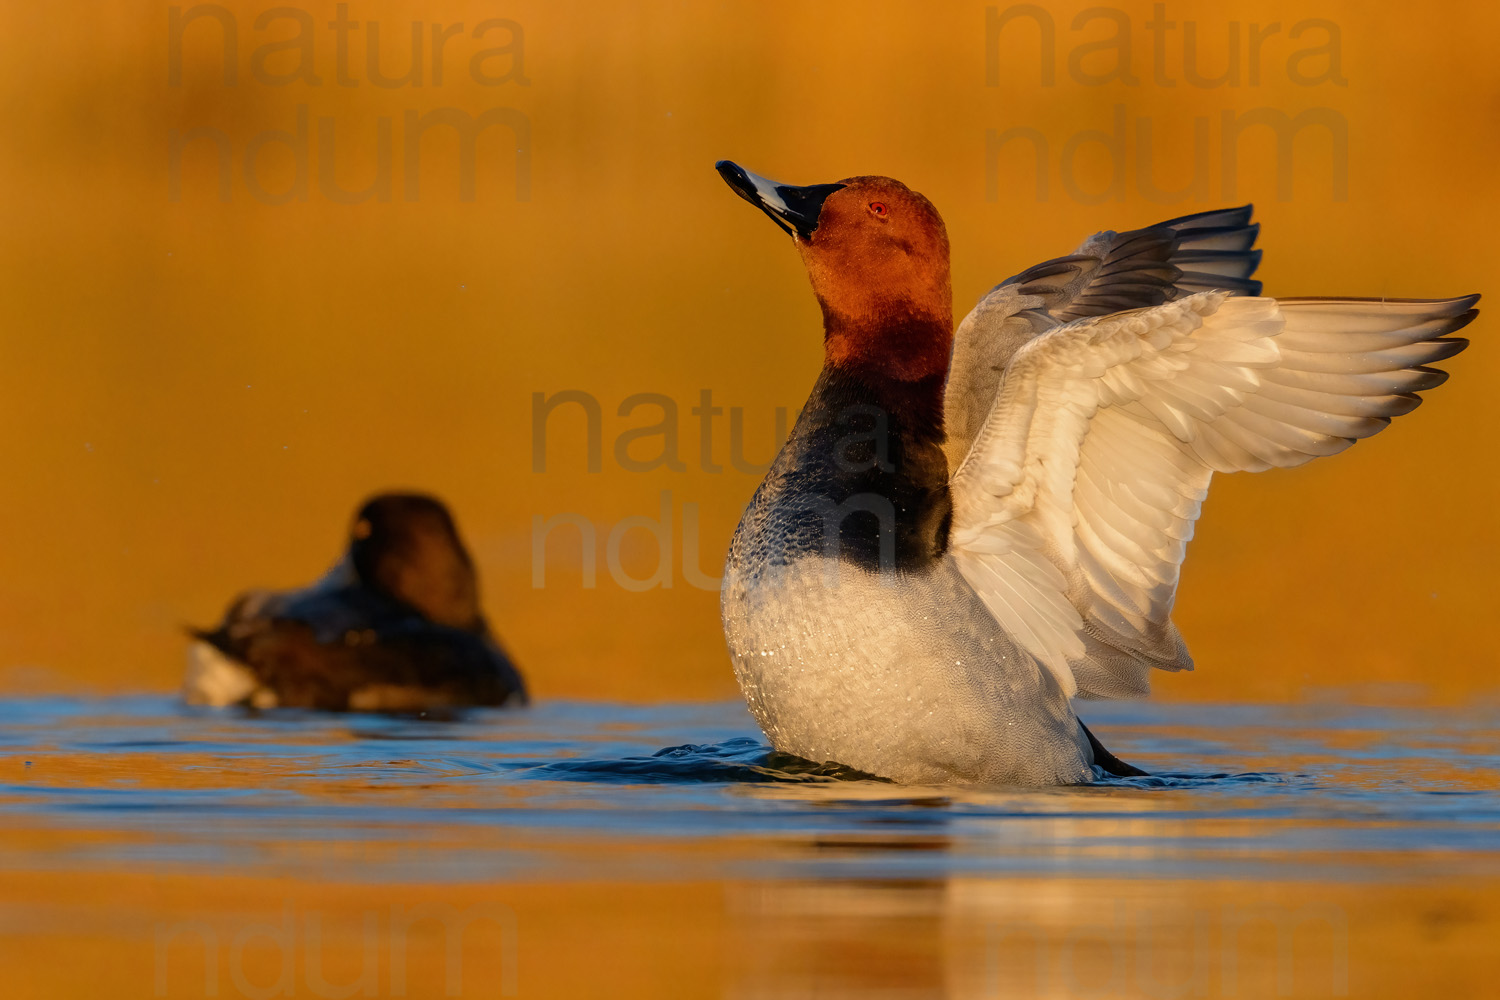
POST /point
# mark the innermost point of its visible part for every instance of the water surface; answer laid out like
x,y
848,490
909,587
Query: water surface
x,y
661,850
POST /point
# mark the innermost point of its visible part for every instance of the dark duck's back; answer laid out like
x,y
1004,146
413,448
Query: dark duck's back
x,y
394,626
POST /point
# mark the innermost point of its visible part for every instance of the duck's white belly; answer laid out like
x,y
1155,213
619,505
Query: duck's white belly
x,y
907,676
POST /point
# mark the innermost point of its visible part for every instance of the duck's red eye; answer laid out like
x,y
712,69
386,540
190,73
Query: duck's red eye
x,y
878,207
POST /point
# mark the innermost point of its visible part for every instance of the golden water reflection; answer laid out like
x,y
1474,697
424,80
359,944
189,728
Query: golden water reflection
x,y
954,937
147,851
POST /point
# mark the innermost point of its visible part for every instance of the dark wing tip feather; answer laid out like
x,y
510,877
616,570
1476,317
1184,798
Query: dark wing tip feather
x,y
1240,263
1146,267
1213,219
1445,348
1440,307
1431,378
1408,401
1219,237
1215,250
1460,321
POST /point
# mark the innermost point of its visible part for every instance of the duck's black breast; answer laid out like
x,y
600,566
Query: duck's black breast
x,y
863,479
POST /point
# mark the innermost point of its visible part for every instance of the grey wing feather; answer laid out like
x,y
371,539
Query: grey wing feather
x,y
1109,273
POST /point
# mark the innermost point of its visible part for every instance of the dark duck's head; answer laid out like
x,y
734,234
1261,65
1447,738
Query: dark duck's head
x,y
406,546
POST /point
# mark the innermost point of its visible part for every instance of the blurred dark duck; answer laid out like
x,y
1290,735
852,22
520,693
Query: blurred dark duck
x,y
395,626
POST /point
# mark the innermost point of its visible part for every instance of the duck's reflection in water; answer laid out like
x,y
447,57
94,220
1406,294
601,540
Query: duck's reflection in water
x,y
843,939
1044,937
868,937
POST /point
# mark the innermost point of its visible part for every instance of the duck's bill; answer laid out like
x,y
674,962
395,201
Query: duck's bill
x,y
794,209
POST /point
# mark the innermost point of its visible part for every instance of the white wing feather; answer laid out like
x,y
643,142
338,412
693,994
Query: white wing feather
x,y
1074,506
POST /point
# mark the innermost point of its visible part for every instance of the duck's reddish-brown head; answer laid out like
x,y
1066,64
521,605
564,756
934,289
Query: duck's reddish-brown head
x,y
877,254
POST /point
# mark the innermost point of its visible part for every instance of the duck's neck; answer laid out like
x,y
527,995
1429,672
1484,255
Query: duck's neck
x,y
890,341
894,355
869,448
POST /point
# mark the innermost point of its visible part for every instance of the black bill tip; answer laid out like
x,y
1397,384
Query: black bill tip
x,y
794,209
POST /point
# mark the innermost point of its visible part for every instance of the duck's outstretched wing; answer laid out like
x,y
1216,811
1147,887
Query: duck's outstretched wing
x,y
1109,273
1073,508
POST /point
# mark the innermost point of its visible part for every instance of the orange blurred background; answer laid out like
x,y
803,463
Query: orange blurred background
x,y
195,393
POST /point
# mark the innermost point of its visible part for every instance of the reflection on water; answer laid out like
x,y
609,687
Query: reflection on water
x,y
1311,850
